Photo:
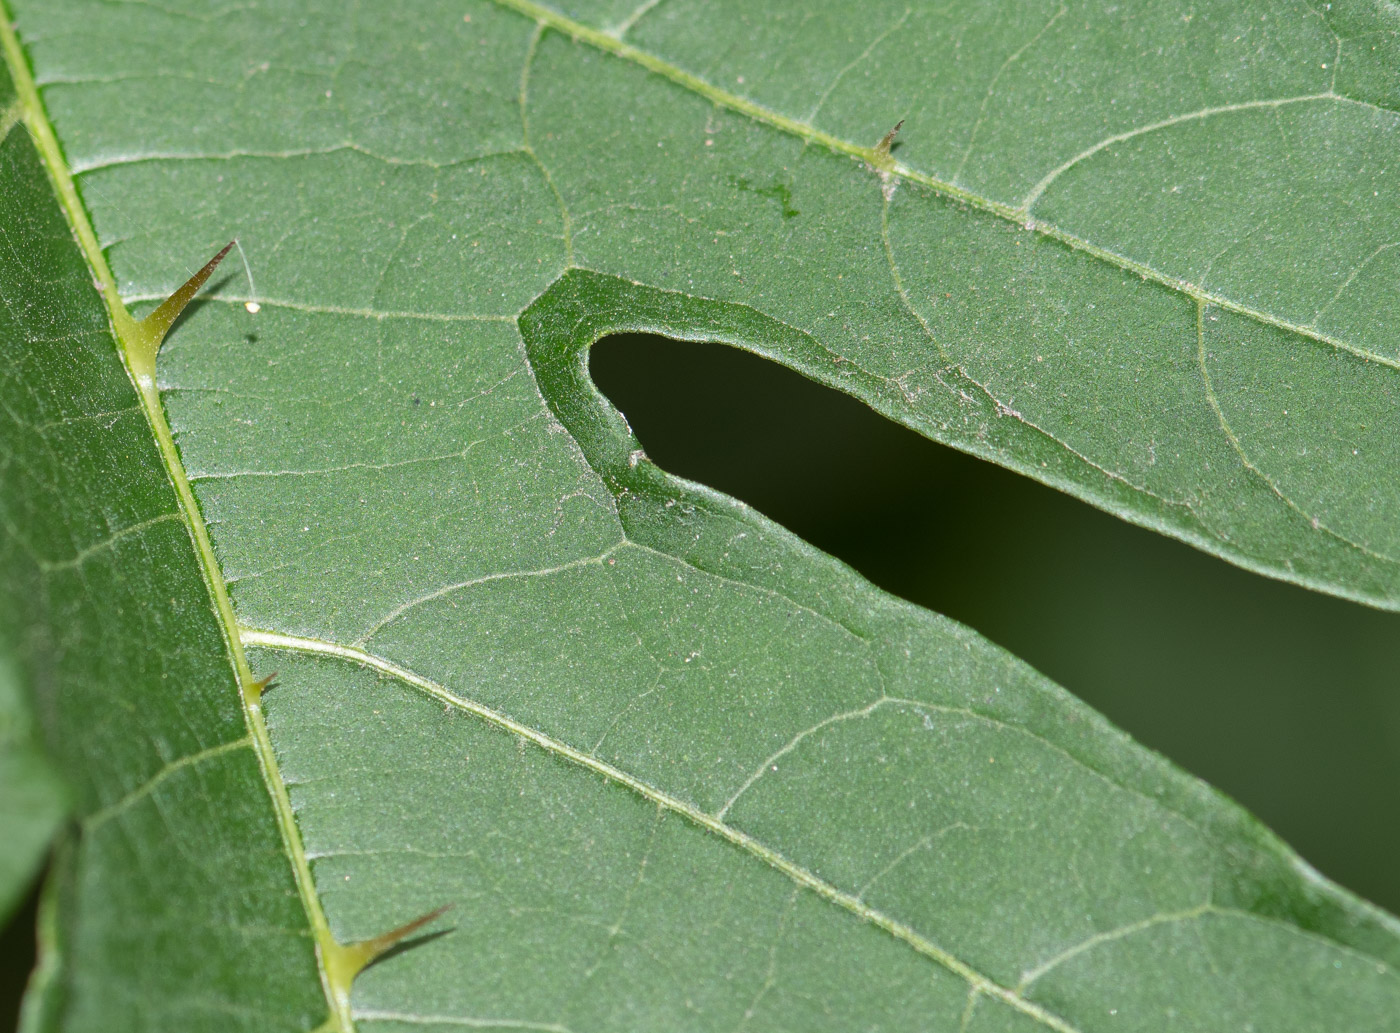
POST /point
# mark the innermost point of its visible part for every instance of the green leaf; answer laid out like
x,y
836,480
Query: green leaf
x,y
673,767
181,910
32,800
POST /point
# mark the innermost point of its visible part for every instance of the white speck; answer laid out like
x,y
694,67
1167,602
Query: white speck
x,y
252,306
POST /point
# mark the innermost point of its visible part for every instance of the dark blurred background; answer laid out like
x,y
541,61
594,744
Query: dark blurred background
x,y
1286,699
17,958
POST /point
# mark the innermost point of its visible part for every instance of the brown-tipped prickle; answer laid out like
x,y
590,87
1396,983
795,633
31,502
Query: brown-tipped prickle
x,y
146,335
346,961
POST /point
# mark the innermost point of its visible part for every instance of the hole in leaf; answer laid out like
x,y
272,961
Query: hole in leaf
x,y
1286,699
18,953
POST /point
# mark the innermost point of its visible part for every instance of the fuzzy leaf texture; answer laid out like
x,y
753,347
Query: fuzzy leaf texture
x,y
675,769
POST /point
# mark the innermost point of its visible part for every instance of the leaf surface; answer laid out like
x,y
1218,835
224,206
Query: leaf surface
x,y
675,768
32,800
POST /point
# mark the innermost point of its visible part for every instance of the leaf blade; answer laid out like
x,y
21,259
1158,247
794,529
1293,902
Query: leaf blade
x,y
433,512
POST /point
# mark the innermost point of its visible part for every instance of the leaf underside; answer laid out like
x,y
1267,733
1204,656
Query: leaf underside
x,y
675,769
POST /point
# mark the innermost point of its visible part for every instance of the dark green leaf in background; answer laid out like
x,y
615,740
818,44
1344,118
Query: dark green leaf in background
x,y
180,907
32,800
675,768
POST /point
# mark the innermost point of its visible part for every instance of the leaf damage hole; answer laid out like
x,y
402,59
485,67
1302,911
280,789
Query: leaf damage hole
x,y
1284,698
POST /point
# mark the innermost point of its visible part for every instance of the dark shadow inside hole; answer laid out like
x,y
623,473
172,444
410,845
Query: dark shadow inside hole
x,y
18,953
1286,699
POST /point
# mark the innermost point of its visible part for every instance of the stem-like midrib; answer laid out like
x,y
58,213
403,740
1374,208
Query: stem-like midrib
x,y
129,339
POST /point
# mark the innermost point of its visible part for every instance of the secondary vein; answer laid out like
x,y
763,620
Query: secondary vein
x,y
906,934
1018,214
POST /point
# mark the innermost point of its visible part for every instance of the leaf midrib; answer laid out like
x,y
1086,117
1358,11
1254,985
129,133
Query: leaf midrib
x,y
1018,215
35,118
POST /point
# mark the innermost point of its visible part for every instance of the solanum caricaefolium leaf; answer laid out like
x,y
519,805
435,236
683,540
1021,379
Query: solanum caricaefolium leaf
x,y
671,767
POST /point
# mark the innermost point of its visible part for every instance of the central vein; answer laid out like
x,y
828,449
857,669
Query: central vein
x,y
138,357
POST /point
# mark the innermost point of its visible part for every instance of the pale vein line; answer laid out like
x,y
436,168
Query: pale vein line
x,y
410,1018
1191,116
1108,936
991,86
438,593
97,818
874,44
770,977
567,219
746,586
335,310
118,161
1001,407
623,27
796,740
924,843
904,933
979,984
1018,215
615,930
230,475
921,706
924,708
1353,275
972,998
1238,447
109,542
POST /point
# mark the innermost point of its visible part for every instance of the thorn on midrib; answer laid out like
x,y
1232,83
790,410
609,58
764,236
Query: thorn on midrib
x,y
256,689
343,962
143,337
882,162
160,321
882,149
